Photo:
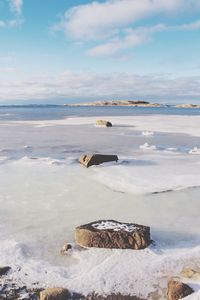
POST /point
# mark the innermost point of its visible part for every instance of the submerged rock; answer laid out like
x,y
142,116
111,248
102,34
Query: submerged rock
x,y
113,234
4,270
191,273
55,294
103,123
178,290
96,159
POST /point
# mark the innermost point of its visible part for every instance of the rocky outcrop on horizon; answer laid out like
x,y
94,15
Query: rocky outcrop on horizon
x,y
187,106
134,103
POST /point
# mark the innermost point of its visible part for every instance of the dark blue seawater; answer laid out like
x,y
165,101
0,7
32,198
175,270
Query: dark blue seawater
x,y
49,112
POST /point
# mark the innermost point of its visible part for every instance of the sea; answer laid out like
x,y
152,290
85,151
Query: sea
x,y
48,112
45,193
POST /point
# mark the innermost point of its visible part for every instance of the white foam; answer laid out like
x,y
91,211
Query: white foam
x,y
148,133
146,146
195,150
101,270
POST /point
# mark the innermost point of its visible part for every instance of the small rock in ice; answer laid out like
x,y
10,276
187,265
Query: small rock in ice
x,y
65,249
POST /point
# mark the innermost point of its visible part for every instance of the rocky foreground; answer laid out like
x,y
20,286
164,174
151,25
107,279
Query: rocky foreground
x,y
100,234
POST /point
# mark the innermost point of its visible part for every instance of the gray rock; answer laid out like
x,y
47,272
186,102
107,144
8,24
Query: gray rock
x,y
96,159
113,234
4,270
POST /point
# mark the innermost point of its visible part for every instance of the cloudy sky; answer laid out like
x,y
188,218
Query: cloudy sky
x,y
59,51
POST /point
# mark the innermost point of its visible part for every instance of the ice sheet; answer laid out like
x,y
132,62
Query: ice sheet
x,y
45,194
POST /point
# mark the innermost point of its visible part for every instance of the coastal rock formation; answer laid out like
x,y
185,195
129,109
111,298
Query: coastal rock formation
x,y
103,123
54,294
96,159
113,234
4,270
178,290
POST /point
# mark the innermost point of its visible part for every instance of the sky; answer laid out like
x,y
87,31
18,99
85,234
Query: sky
x,y
67,51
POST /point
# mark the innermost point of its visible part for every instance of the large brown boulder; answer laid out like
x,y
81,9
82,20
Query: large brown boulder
x,y
113,234
96,159
54,294
103,123
178,290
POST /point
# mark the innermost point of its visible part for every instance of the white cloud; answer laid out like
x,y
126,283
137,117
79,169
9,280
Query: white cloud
x,y
17,20
112,24
7,69
96,19
15,23
12,23
16,6
100,19
191,26
2,24
129,38
92,86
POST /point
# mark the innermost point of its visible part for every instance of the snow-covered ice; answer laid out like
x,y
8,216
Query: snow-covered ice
x,y
45,194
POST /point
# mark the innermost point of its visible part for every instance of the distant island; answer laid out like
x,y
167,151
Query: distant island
x,y
118,103
188,106
132,103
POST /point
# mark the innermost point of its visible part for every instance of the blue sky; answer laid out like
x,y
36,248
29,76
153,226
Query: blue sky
x,y
57,51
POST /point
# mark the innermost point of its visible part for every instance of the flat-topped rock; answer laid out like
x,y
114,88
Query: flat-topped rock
x,y
113,234
96,159
103,123
178,290
54,294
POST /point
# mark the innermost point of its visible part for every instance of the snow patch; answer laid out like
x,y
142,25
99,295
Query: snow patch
x,y
103,225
